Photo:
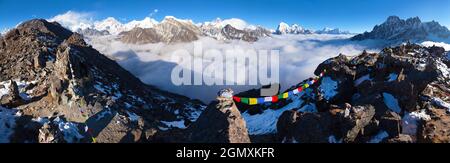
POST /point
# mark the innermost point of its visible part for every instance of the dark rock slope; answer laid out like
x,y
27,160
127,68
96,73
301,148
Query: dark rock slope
x,y
398,95
62,90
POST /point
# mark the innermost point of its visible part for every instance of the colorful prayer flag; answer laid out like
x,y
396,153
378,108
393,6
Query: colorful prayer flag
x,y
295,91
306,85
268,99
285,95
261,100
237,99
244,100
275,98
253,101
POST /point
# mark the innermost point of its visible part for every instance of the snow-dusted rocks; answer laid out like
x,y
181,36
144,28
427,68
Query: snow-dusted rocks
x,y
369,98
72,81
221,122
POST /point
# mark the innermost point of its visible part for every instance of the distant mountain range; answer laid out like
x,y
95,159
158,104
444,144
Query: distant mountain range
x,y
284,28
413,29
171,30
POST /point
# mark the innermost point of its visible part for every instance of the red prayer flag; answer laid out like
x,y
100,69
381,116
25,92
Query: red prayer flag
x,y
275,98
237,99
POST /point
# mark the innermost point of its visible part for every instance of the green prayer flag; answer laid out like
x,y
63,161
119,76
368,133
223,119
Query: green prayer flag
x,y
245,100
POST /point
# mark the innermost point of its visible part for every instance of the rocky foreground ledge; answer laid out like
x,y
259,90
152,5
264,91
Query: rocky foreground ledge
x,y
398,95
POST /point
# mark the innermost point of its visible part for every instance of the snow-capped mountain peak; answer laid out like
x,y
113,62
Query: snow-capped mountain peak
x,y
110,24
328,30
147,22
283,28
173,18
234,22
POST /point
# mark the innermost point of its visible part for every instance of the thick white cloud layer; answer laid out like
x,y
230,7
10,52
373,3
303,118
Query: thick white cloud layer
x,y
74,20
441,44
299,56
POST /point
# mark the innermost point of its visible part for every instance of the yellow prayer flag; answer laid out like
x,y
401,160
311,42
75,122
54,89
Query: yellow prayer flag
x,y
306,85
253,101
285,95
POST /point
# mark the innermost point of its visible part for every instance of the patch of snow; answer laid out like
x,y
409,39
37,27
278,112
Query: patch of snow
x,y
132,116
328,88
379,137
332,139
443,68
391,102
194,113
102,114
69,130
441,103
409,121
362,79
7,123
177,124
264,123
117,95
41,120
392,77
163,128
5,89
99,87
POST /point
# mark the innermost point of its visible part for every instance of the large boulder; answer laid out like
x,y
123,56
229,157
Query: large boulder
x,y
221,122
12,99
354,121
346,123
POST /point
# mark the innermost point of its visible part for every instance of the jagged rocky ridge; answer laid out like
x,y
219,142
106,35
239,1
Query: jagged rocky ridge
x,y
397,95
56,88
172,30
413,29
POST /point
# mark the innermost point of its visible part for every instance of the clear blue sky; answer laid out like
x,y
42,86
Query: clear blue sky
x,y
353,15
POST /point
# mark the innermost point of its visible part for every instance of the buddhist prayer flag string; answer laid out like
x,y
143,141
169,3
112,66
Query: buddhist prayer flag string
x,y
276,98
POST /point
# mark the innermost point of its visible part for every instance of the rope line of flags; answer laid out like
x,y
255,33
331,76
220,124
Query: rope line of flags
x,y
276,98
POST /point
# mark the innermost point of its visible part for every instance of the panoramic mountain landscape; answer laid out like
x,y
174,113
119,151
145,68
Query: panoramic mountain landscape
x,y
73,78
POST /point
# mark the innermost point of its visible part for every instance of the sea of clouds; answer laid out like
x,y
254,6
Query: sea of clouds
x,y
299,55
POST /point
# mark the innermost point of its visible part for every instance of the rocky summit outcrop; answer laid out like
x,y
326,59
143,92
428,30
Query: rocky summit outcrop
x,y
63,90
231,33
413,29
170,30
221,122
398,95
